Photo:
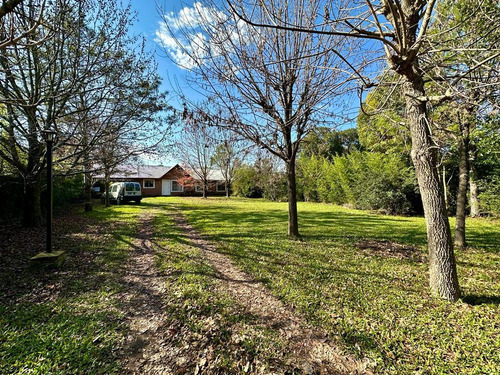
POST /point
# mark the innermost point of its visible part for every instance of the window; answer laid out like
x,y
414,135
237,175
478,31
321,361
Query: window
x,y
149,184
176,187
221,186
199,188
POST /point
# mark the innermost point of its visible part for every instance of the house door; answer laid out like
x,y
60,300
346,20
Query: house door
x,y
166,187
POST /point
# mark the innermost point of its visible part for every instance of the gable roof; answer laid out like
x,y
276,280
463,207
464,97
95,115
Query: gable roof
x,y
154,172
140,171
215,175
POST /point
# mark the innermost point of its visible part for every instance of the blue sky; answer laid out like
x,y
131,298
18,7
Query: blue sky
x,y
147,24
178,11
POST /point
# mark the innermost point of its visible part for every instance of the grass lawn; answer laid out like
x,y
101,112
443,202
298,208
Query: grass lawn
x,y
374,304
211,326
65,321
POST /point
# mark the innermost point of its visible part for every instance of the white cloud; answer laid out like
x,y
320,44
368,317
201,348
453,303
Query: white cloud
x,y
183,35
194,17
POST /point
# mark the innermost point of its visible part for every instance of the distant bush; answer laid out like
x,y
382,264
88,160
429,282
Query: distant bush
x,y
274,186
365,180
490,197
67,190
245,183
254,182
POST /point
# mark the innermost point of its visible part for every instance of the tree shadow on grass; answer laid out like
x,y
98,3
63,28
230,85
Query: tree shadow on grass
x,y
314,225
476,300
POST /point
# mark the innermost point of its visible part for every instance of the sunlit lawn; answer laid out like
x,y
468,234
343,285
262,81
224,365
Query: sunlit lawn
x,y
372,305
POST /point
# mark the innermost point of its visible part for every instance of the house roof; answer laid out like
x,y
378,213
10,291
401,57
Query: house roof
x,y
213,175
153,172
139,171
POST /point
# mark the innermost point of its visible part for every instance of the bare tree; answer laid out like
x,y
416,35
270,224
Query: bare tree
x,y
12,16
8,6
33,91
196,146
476,91
228,156
275,85
84,79
416,56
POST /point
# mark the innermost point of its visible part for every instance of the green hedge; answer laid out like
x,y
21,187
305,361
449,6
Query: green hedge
x,y
364,180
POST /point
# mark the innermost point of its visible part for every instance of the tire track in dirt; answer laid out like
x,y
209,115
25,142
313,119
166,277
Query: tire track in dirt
x,y
147,348
312,351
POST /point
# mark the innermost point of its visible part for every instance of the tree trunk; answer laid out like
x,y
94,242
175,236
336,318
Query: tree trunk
x,y
293,223
475,208
442,267
88,190
32,211
445,188
87,175
106,188
463,180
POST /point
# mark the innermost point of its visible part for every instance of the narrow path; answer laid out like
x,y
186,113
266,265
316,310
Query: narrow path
x,y
149,349
146,349
310,347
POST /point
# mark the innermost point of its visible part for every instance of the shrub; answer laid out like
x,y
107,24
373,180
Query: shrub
x,y
490,197
365,180
274,186
245,183
67,190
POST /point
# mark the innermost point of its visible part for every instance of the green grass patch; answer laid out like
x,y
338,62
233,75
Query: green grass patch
x,y
373,305
66,321
207,322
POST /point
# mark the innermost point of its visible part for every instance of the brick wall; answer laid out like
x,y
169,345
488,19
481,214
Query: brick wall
x,y
176,174
151,192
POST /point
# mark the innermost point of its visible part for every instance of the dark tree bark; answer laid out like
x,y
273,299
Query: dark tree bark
x,y
463,181
8,6
106,187
293,222
87,175
442,266
88,192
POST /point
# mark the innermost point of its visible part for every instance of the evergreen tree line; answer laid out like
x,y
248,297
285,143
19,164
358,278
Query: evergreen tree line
x,y
360,169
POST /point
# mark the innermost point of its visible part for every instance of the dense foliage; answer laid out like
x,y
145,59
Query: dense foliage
x,y
262,180
365,180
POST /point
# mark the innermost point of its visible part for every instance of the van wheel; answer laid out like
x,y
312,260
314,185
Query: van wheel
x,y
138,201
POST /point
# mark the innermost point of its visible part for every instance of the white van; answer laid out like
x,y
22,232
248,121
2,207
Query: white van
x,y
121,192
